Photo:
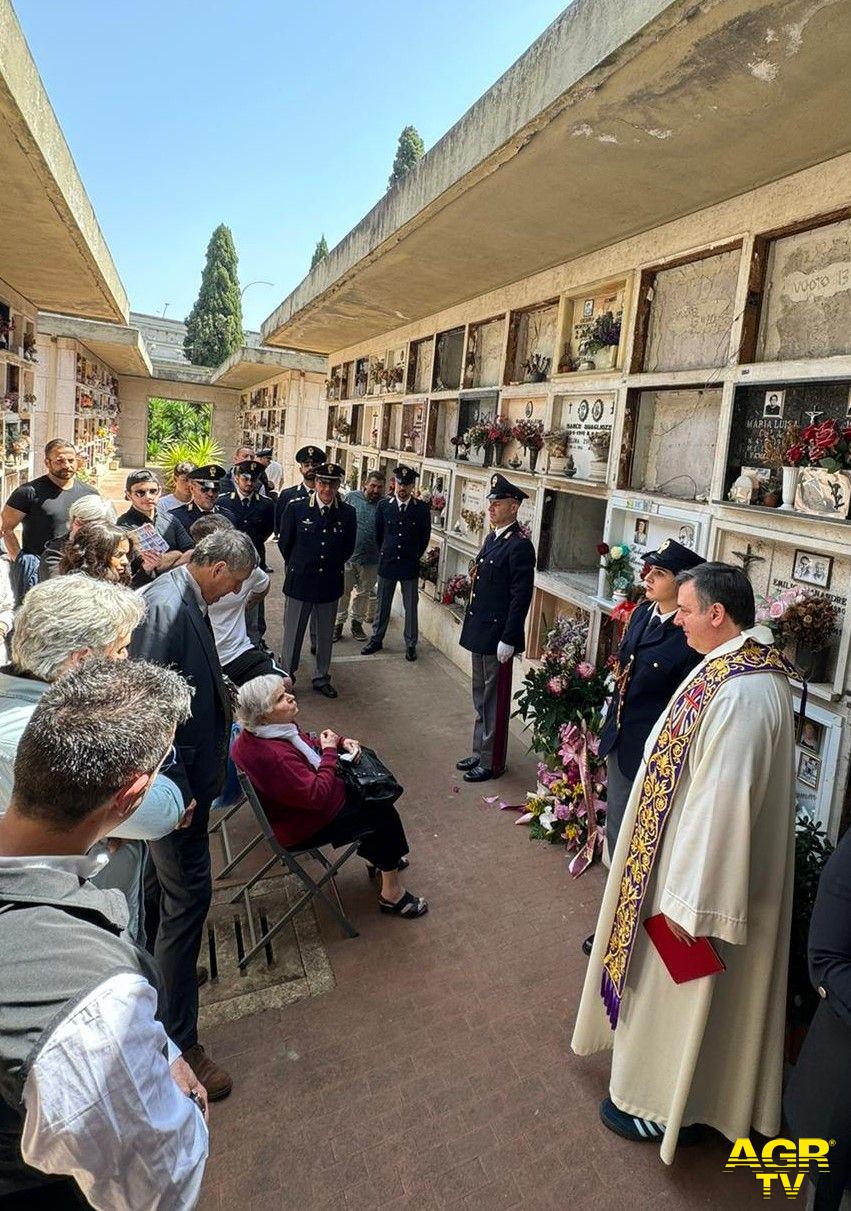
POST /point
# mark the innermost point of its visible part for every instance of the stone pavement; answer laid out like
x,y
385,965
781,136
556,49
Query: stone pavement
x,y
437,1073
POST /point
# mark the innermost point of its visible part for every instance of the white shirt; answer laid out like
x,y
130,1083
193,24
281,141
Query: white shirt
x,y
166,503
655,614
101,1104
274,474
500,530
227,617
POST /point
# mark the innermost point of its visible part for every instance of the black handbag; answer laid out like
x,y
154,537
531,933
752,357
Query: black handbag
x,y
369,780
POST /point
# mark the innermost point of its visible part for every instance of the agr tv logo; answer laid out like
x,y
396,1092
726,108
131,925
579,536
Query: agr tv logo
x,y
782,1165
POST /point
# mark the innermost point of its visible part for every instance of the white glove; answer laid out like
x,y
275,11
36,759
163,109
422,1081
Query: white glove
x,y
504,651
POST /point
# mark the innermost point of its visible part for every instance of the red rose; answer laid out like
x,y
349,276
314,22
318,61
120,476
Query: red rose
x,y
794,455
602,548
808,433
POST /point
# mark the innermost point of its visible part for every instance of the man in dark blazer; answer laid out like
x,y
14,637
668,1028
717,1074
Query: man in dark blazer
x,y
177,633
653,659
818,1099
317,536
494,627
402,531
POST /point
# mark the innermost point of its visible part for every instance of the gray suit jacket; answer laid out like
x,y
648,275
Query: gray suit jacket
x,y
175,633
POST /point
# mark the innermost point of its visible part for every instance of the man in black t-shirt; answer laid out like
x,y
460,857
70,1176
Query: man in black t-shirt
x,y
142,489
41,506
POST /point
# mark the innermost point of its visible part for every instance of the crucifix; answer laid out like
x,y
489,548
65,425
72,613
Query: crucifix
x,y
812,415
748,557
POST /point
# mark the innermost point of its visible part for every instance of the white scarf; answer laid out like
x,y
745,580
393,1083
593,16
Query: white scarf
x,y
287,731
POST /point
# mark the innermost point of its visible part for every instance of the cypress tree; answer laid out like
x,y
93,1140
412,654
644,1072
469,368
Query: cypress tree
x,y
214,325
409,149
320,252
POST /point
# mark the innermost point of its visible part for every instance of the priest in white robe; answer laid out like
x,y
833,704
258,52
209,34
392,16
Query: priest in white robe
x,y
709,1051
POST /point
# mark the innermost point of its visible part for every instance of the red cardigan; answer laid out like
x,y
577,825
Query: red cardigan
x,y
298,799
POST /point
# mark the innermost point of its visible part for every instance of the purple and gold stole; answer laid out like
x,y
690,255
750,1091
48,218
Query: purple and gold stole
x,y
661,778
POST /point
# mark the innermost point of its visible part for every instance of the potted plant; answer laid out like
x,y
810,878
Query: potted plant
x,y
530,435
771,494
805,622
618,568
342,427
536,368
376,376
476,438
603,334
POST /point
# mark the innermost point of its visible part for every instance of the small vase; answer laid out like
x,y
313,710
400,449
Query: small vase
x,y
498,451
488,454
790,483
533,459
811,664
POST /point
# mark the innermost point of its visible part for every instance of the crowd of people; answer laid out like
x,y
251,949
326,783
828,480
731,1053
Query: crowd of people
x,y
138,668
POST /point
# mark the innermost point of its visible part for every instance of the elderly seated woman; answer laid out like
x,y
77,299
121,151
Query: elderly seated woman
x,y
305,798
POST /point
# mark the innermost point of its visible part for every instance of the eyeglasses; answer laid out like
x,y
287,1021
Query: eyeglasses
x,y
202,488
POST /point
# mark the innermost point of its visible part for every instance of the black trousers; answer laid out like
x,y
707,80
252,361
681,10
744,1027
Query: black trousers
x,y
61,1195
384,847
178,890
249,664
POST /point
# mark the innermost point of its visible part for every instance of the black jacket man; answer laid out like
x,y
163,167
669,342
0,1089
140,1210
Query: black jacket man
x,y
494,627
316,538
250,512
402,531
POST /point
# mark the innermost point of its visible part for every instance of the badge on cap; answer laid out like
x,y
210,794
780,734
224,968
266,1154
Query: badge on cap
x,y
663,546
494,480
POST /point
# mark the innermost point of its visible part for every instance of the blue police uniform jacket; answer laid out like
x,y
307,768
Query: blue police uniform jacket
x,y
254,516
658,658
187,514
296,492
402,536
501,594
315,548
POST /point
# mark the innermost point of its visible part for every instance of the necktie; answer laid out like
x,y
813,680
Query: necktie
x,y
323,511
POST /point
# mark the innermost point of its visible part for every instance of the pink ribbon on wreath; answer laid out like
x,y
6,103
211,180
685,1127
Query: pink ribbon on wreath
x,y
575,746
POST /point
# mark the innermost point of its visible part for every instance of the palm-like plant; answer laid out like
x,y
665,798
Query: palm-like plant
x,y
199,451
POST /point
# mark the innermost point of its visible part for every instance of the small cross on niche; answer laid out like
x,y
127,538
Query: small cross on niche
x,y
748,557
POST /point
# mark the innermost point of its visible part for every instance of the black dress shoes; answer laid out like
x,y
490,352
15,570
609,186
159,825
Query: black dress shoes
x,y
479,773
588,944
357,630
313,649
326,690
411,653
467,763
338,633
374,645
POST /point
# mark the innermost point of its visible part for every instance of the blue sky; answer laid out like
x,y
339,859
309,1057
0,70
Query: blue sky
x,y
279,119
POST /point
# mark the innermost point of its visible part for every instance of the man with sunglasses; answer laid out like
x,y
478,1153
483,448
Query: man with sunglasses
x,y
142,489
204,485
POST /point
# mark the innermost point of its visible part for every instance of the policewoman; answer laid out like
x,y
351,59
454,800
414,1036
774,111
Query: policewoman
x,y
494,627
653,659
250,512
204,487
317,536
402,531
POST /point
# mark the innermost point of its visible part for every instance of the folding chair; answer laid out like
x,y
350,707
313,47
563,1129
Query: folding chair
x,y
289,860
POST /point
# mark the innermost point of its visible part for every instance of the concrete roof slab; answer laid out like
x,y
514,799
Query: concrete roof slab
x,y
120,346
248,366
618,119
51,247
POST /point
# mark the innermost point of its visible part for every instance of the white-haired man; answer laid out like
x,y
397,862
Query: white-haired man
x,y
82,511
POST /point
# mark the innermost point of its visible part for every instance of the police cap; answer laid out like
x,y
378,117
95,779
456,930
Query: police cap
x,y
310,454
249,466
207,476
673,557
329,473
404,475
501,489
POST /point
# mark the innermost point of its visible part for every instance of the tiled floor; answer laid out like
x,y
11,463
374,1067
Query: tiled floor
x,y
438,1072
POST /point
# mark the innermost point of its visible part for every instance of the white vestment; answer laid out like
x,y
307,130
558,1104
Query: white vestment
x,y
711,1050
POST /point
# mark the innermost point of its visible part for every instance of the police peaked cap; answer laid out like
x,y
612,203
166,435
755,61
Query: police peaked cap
x,y
209,475
249,466
405,475
330,472
501,489
673,557
266,453
310,454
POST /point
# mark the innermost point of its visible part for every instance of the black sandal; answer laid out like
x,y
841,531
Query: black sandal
x,y
408,906
372,871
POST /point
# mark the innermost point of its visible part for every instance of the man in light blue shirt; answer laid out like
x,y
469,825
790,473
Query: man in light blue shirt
x,y
361,572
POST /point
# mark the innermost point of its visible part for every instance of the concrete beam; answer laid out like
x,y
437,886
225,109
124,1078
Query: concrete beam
x,y
120,346
249,366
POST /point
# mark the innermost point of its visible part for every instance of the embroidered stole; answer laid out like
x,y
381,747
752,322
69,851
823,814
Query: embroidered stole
x,y
665,766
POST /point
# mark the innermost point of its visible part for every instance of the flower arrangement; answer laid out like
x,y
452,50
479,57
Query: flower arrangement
x,y
615,560
474,519
798,616
499,430
342,427
557,441
458,588
537,368
376,373
606,330
528,433
824,445
525,529
563,688
477,435
437,503
428,564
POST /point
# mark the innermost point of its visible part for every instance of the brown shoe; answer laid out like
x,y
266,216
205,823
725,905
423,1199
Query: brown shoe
x,y
215,1080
